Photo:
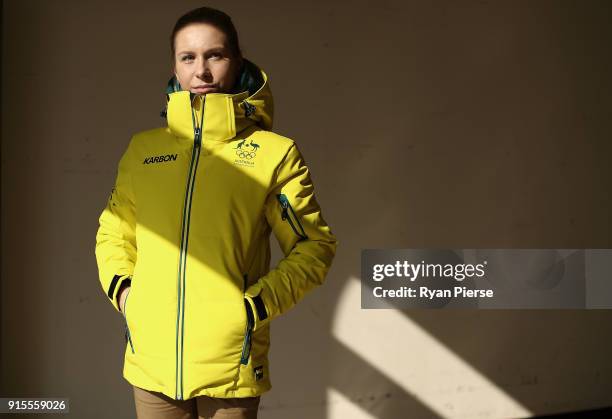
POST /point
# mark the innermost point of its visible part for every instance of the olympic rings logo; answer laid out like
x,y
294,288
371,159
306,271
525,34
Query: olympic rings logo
x,y
245,154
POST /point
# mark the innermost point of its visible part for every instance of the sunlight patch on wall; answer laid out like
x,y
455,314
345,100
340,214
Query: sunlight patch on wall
x,y
338,406
411,358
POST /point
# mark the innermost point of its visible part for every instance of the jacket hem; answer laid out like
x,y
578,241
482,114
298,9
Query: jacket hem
x,y
136,376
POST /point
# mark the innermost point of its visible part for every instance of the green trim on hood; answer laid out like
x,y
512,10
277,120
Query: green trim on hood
x,y
250,78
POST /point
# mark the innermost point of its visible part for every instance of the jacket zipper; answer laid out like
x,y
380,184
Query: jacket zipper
x,y
180,316
128,335
246,344
286,208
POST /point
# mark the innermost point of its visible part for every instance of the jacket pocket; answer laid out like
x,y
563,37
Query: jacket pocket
x,y
128,336
287,214
246,343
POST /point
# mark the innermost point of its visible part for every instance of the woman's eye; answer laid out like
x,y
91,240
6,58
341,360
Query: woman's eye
x,y
187,57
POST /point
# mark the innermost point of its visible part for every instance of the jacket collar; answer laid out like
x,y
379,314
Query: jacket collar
x,y
225,114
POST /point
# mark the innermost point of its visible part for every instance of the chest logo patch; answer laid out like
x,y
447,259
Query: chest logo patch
x,y
246,150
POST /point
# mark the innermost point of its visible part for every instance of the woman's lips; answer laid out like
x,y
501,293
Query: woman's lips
x,y
204,89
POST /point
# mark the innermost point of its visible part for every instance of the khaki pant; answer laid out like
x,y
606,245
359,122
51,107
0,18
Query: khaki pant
x,y
154,405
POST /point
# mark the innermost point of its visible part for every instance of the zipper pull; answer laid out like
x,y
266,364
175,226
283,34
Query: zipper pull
x,y
198,135
284,205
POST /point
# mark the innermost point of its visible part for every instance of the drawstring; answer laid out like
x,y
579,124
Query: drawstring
x,y
249,109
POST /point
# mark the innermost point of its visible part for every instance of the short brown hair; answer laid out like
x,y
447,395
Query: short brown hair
x,y
214,17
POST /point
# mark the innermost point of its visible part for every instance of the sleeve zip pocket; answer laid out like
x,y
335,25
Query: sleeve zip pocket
x,y
287,212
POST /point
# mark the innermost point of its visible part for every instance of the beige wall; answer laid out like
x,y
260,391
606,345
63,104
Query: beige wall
x,y
425,124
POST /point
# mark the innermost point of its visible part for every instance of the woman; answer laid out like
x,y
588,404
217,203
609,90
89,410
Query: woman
x,y
183,247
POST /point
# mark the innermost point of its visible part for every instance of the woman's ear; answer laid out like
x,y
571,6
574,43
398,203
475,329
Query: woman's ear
x,y
174,74
177,83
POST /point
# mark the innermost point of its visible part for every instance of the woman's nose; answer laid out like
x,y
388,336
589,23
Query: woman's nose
x,y
202,69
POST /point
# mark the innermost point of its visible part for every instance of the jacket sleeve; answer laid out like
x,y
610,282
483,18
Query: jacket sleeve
x,y
115,239
304,237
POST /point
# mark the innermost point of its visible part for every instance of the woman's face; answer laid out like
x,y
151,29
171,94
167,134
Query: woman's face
x,y
203,62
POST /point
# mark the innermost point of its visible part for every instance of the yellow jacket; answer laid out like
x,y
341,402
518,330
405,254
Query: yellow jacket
x,y
187,225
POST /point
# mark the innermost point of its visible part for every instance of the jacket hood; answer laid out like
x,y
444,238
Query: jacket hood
x,y
225,114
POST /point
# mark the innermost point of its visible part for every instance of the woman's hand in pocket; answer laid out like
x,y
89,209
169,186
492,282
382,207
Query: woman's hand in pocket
x,y
122,296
